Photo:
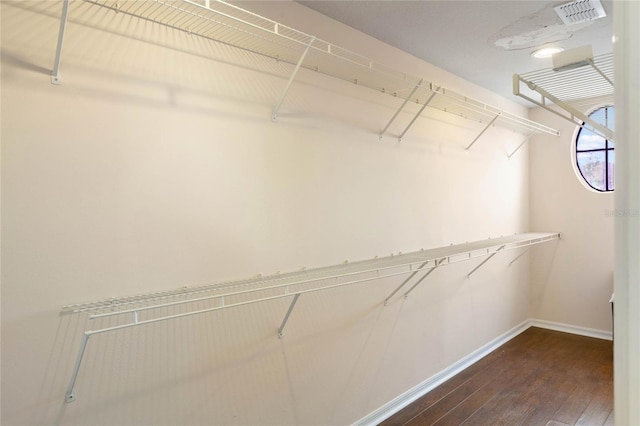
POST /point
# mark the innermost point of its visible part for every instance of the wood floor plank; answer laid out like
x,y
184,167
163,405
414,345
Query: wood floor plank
x,y
508,353
413,410
610,419
540,377
599,408
473,402
461,393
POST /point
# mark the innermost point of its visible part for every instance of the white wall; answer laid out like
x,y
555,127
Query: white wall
x,y
151,168
573,283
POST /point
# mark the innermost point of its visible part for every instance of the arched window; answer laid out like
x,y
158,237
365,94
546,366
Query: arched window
x,y
595,155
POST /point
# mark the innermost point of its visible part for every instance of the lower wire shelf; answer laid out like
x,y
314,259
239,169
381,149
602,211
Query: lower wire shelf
x,y
140,310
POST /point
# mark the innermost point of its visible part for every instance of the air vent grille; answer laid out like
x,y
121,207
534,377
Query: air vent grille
x,y
580,11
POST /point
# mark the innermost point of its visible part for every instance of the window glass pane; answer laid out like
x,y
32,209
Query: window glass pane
x,y
599,116
595,155
611,118
592,167
611,170
588,140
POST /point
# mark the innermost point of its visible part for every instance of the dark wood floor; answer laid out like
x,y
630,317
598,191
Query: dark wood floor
x,y
541,377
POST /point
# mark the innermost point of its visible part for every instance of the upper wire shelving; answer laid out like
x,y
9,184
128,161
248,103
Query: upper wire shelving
x,y
225,23
594,79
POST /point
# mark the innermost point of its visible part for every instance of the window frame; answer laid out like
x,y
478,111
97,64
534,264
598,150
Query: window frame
x,y
608,149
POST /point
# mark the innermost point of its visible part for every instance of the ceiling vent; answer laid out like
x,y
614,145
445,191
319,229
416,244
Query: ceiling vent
x,y
580,11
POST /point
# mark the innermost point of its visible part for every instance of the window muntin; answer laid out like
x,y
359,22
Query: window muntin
x,y
595,155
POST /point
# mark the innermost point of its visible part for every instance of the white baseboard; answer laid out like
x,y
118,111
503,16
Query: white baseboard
x,y
582,331
434,381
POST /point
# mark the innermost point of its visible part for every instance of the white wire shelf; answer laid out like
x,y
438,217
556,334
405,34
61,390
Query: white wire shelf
x,y
566,89
222,22
141,310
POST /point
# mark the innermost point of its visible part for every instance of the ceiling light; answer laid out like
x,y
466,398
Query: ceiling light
x,y
546,52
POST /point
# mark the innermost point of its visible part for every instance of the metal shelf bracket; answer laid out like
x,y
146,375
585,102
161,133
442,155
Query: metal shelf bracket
x,y
413,274
433,94
486,260
438,263
55,74
493,120
521,145
401,108
70,396
519,256
274,115
286,317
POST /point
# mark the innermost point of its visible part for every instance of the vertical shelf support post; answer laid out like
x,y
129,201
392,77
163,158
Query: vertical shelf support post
x,y
274,115
70,395
55,74
483,130
401,108
286,317
486,260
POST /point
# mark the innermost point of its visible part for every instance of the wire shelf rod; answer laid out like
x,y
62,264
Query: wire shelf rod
x,y
364,266
268,298
262,36
490,111
327,273
473,253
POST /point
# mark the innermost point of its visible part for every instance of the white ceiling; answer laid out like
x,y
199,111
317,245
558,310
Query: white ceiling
x,y
467,38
